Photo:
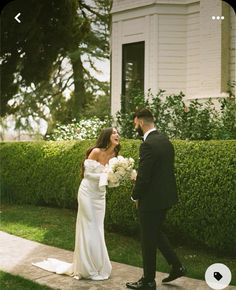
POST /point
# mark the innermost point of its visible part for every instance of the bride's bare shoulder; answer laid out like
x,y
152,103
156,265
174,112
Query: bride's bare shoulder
x,y
94,154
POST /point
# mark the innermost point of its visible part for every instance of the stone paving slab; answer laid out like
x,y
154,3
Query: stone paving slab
x,y
17,254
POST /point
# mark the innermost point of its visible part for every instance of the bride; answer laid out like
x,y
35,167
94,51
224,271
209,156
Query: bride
x,y
90,259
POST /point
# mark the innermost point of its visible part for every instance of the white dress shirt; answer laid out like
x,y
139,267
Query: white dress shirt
x,y
147,133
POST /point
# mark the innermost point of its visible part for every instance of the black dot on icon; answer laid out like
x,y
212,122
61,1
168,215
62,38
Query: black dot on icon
x,y
217,276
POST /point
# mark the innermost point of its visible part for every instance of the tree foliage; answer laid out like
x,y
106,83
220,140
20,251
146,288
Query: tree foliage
x,y
48,53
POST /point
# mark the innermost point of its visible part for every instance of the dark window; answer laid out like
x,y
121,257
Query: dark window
x,y
132,67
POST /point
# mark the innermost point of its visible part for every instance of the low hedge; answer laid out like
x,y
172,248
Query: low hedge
x,y
48,173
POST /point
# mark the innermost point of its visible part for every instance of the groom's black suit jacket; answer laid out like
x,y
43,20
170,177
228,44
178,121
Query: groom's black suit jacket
x,y
155,186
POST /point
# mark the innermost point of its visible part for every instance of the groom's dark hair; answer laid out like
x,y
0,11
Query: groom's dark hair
x,y
145,114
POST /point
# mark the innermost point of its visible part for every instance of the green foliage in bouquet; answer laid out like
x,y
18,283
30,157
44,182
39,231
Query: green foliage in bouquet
x,y
48,173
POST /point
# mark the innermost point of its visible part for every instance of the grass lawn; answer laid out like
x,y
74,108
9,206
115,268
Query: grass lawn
x,y
10,282
56,227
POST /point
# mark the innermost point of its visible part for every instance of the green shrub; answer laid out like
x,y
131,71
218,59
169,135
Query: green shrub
x,y
206,178
49,173
41,172
195,121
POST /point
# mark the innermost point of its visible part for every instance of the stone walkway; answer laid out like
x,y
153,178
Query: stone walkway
x,y
17,254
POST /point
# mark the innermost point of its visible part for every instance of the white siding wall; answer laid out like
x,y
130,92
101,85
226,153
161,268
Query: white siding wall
x,y
210,49
121,5
172,53
184,47
133,30
151,53
193,55
116,67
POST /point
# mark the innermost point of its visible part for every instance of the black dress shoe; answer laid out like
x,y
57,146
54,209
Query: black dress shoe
x,y
174,274
141,284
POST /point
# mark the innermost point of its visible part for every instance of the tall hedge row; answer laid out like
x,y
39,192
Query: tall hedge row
x,y
48,173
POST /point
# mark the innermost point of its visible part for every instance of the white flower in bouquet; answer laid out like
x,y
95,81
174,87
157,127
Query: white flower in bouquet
x,y
113,179
113,161
119,169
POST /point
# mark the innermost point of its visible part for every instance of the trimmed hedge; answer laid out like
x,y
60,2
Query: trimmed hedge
x,y
41,173
48,173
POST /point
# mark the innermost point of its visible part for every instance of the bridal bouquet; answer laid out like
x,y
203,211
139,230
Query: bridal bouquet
x,y
119,169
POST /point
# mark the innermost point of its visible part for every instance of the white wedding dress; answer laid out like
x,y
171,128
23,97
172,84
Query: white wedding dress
x,y
90,260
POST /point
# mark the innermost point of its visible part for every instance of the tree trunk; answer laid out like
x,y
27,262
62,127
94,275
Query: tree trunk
x,y
79,97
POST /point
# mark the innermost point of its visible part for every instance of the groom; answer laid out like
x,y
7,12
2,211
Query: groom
x,y
154,193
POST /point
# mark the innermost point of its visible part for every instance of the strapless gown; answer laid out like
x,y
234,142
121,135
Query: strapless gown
x,y
90,259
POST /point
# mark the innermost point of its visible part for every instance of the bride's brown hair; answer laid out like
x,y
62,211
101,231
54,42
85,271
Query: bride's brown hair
x,y
103,142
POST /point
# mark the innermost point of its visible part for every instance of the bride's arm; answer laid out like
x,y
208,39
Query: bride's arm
x,y
102,177
93,156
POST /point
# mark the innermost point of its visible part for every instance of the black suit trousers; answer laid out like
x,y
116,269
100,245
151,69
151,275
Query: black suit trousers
x,y
153,238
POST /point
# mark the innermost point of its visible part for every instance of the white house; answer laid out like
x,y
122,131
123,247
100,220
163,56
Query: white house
x,y
174,45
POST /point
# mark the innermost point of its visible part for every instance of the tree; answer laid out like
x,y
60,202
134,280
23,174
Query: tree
x,y
46,54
